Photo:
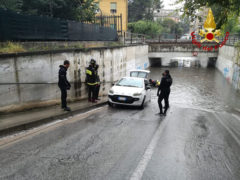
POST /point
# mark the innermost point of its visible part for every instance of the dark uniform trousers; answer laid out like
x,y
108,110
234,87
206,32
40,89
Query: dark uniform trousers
x,y
164,95
91,92
97,91
64,97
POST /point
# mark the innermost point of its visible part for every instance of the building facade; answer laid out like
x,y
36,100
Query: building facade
x,y
199,21
162,14
114,8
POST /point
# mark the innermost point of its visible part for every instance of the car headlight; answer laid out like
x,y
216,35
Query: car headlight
x,y
111,91
137,94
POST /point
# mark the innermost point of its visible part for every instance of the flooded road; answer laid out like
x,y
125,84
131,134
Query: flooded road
x,y
199,139
200,88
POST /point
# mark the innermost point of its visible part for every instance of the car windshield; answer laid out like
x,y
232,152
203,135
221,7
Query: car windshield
x,y
139,74
138,83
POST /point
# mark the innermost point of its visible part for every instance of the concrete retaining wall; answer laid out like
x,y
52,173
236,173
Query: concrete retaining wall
x,y
228,64
42,70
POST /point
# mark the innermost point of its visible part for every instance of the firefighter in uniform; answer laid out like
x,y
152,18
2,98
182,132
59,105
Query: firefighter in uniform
x,y
98,83
91,81
155,83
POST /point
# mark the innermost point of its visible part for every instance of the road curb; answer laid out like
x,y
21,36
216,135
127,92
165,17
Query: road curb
x,y
29,125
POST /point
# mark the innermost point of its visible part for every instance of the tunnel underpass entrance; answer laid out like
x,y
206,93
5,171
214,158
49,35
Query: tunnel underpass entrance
x,y
212,62
184,62
155,62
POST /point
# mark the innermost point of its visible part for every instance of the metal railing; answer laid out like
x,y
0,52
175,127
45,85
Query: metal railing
x,y
114,22
21,27
133,38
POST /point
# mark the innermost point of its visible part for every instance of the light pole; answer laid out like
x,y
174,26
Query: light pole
x,y
101,16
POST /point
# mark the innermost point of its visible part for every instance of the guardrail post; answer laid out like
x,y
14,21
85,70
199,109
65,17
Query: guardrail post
x,y
131,38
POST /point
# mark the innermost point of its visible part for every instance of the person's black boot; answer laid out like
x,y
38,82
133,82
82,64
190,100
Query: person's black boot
x,y
67,109
165,112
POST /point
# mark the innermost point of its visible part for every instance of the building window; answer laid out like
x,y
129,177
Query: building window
x,y
113,8
97,7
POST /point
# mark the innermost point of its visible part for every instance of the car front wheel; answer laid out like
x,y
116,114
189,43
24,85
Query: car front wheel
x,y
142,105
110,104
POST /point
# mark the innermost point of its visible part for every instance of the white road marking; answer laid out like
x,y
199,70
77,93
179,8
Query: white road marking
x,y
237,117
227,128
138,173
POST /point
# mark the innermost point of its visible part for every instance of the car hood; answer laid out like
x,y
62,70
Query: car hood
x,y
127,91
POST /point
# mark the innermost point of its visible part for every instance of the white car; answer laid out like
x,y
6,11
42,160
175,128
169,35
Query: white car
x,y
140,73
130,91
186,37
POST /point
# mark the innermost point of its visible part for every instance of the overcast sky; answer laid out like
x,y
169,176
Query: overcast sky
x,y
168,4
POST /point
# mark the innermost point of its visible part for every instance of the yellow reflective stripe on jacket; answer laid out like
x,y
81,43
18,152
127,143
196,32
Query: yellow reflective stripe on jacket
x,y
92,84
88,72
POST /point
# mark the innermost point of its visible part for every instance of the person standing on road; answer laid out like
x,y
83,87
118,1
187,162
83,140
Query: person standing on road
x,y
91,81
98,83
164,91
63,84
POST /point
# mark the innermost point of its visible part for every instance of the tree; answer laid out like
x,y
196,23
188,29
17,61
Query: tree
x,y
142,9
79,10
14,5
145,27
172,27
167,26
157,4
222,9
232,26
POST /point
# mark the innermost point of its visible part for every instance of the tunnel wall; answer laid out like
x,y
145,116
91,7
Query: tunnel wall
x,y
166,57
228,63
41,69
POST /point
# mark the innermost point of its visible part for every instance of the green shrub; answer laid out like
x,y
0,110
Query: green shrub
x,y
11,47
145,27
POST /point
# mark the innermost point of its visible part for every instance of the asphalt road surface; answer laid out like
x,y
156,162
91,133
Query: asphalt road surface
x,y
199,139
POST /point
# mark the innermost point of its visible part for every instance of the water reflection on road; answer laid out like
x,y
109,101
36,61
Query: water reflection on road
x,y
201,89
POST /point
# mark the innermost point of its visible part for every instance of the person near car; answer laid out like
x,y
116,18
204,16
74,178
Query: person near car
x,y
63,84
164,91
91,81
154,83
97,89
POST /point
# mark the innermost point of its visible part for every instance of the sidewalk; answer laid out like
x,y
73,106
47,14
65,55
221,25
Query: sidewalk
x,y
27,119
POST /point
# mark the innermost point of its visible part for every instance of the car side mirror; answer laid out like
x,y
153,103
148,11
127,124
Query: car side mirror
x,y
113,84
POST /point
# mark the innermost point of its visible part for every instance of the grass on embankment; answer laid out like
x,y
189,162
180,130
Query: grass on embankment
x,y
10,47
15,47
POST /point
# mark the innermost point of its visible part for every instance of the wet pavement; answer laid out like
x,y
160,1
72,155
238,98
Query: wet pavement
x,y
199,139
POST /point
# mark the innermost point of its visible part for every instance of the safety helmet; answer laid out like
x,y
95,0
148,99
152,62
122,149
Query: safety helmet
x,y
93,61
